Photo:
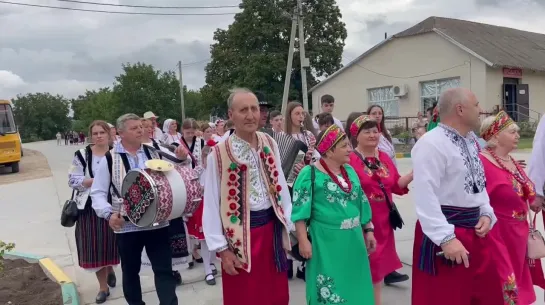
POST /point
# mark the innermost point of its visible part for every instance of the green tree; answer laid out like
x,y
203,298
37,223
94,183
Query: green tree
x,y
194,105
41,115
142,88
253,51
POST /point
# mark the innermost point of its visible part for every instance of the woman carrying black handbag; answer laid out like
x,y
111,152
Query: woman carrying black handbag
x,y
95,240
379,179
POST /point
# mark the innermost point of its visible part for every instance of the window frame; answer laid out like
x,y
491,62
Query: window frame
x,y
437,94
381,103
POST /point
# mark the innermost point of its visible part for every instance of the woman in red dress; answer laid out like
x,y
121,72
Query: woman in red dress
x,y
373,168
194,227
512,196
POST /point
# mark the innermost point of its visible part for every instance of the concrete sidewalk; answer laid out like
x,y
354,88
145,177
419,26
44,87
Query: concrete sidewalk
x,y
30,218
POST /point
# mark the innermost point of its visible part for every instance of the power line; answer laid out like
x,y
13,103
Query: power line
x,y
406,77
114,12
196,62
149,6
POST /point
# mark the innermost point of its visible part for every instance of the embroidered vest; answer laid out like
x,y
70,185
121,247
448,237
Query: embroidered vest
x,y
235,191
118,171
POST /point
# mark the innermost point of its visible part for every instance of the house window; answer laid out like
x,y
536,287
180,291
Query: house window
x,y
385,98
430,91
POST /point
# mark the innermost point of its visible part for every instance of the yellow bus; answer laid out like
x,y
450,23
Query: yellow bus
x,y
11,149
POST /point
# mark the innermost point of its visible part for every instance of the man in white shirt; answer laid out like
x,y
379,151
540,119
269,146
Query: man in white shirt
x,y
157,133
247,209
129,153
536,170
328,104
453,208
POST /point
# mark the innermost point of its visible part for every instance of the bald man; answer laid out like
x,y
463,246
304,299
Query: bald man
x,y
453,209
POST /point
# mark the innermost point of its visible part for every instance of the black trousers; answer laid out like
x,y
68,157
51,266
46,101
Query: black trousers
x,y
157,245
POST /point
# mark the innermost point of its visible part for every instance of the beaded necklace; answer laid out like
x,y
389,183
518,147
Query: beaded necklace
x,y
335,179
519,174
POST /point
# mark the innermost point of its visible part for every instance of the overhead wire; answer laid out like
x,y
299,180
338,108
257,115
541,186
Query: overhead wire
x,y
114,12
149,6
405,77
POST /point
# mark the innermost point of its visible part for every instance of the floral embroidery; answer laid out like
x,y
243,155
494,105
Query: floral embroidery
x,y
519,215
350,223
354,195
326,290
517,187
510,290
301,197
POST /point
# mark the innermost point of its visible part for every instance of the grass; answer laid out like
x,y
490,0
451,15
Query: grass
x,y
525,143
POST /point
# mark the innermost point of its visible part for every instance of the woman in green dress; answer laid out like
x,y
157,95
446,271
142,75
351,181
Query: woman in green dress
x,y
328,197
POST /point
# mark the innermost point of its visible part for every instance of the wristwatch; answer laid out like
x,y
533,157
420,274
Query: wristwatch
x,y
368,230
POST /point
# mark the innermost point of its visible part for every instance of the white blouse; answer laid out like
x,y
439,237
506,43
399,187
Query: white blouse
x,y
447,171
259,192
169,139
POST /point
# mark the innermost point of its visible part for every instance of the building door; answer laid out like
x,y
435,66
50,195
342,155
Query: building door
x,y
523,102
510,100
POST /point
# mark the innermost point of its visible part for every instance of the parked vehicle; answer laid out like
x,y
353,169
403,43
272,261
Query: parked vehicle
x,y
11,150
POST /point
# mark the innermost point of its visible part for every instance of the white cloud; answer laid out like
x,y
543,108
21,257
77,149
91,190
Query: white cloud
x,y
67,52
10,80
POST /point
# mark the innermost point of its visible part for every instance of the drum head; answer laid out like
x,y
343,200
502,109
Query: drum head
x,y
139,198
159,165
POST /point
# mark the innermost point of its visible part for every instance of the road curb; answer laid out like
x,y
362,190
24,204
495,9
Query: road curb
x,y
403,155
69,291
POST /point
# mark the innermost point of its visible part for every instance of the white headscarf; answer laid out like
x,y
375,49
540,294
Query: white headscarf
x,y
166,125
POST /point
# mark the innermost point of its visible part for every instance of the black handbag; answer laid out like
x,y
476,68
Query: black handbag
x,y
394,216
295,249
70,212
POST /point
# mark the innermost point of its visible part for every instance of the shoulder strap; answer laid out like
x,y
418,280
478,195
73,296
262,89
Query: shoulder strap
x,y
379,181
89,158
125,161
155,144
79,154
110,161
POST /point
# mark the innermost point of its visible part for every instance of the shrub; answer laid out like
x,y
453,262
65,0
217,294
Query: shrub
x,y
4,247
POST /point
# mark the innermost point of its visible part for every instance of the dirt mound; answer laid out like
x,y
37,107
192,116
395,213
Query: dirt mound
x,y
33,166
23,283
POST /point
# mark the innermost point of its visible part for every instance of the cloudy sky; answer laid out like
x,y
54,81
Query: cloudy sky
x,y
66,52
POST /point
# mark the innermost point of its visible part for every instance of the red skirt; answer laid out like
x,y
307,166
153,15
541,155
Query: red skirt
x,y
194,223
456,285
264,285
508,240
385,259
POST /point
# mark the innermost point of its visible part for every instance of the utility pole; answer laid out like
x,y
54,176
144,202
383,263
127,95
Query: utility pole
x,y
181,89
304,59
294,19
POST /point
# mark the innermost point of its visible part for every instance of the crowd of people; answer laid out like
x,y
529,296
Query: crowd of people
x,y
474,204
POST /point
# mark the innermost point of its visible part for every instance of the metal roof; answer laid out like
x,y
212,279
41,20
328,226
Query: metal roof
x,y
497,46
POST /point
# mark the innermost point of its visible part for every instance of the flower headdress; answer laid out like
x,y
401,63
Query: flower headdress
x,y
332,135
501,121
356,125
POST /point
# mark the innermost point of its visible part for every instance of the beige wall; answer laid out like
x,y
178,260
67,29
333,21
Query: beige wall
x,y
404,57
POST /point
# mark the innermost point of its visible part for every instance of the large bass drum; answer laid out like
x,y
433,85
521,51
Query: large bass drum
x,y
151,196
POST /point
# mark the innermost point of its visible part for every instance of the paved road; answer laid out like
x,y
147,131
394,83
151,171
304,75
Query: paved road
x,y
30,218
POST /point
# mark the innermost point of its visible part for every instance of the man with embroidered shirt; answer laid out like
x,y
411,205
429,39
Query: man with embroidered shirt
x,y
129,153
247,209
453,208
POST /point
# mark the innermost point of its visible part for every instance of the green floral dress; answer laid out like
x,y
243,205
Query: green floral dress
x,y
338,272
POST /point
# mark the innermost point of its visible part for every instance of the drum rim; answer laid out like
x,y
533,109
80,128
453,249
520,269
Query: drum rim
x,y
153,187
